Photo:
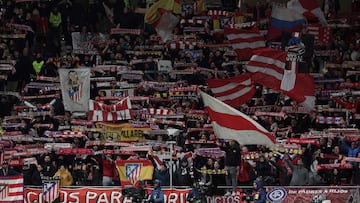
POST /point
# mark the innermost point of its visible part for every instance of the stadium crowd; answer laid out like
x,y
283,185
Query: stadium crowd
x,y
36,53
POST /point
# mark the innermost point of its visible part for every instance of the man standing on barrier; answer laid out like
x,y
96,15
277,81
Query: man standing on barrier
x,y
232,164
157,195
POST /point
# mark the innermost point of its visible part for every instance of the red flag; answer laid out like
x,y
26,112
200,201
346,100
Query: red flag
x,y
229,123
268,68
234,91
244,41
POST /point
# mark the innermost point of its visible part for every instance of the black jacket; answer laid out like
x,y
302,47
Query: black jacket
x,y
182,177
233,156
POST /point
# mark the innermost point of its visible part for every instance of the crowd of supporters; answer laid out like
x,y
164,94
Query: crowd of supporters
x,y
48,47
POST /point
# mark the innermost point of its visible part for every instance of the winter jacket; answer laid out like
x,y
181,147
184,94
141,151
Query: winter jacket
x,y
259,192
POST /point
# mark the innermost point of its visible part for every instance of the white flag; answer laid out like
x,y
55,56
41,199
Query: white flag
x,y
75,88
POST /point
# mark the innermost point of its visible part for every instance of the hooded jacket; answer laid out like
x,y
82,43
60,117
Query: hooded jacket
x,y
259,192
157,195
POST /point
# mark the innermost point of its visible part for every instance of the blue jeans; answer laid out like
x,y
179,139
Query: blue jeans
x,y
232,177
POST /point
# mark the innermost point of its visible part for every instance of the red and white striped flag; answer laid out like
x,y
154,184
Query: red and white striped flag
x,y
122,110
11,189
267,66
244,41
234,91
51,191
76,96
229,123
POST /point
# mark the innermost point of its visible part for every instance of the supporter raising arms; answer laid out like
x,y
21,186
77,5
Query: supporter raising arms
x,y
349,104
352,150
182,175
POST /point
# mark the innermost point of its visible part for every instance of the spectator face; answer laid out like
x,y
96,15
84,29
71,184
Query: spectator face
x,y
353,145
336,150
47,159
210,162
261,159
299,162
216,165
162,168
39,167
62,168
255,186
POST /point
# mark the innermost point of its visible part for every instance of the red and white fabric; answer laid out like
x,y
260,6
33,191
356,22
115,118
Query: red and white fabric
x,y
154,111
122,110
229,123
125,31
73,133
267,66
310,9
182,45
12,189
65,134
323,35
244,41
234,91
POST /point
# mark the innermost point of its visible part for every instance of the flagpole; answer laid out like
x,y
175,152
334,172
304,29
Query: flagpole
x,y
171,162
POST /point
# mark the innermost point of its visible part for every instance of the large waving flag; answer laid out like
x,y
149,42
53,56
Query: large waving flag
x,y
244,41
284,19
132,171
267,66
160,16
309,8
234,91
229,123
12,189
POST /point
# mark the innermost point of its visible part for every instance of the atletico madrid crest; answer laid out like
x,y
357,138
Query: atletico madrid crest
x,y
133,172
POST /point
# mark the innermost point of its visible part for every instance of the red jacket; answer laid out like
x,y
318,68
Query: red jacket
x,y
108,168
